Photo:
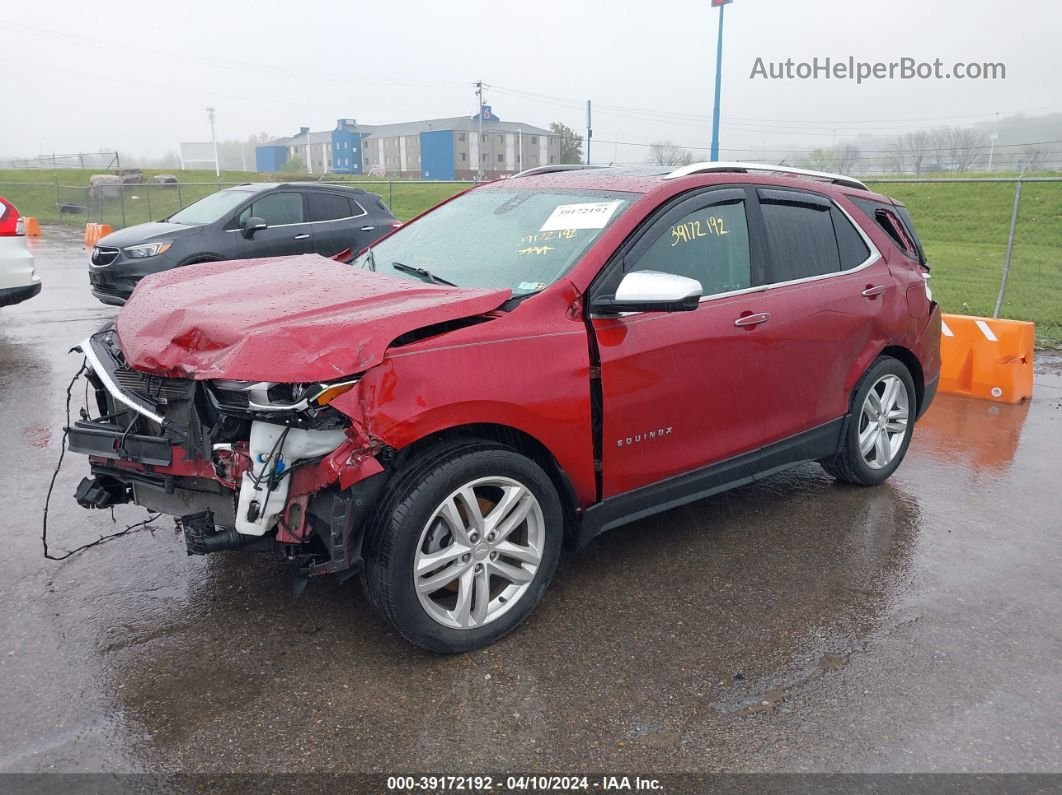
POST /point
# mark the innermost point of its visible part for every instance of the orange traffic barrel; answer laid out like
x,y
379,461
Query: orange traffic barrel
x,y
32,226
987,358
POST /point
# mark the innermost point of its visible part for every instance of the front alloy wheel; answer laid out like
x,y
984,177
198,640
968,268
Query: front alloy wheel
x,y
467,539
479,552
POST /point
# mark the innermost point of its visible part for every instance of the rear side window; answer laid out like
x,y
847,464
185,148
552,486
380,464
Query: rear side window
x,y
276,209
330,206
800,239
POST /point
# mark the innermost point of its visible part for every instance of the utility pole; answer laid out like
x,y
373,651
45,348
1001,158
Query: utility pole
x,y
479,144
993,138
720,4
214,140
589,132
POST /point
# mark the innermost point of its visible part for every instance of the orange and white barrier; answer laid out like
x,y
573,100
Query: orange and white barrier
x,y
93,232
987,358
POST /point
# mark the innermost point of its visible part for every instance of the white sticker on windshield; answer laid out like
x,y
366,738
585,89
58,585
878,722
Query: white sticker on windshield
x,y
589,215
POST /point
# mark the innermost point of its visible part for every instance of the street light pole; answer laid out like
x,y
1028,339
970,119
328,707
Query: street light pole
x,y
214,141
721,4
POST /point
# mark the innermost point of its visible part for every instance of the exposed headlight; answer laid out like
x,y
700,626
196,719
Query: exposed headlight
x,y
148,249
271,396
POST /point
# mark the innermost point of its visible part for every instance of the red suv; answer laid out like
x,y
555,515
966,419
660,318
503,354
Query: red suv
x,y
537,360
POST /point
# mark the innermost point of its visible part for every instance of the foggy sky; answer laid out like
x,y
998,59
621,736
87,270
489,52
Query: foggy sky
x,y
136,76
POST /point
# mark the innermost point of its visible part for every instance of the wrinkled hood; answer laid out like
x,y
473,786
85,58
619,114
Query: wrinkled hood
x,y
288,319
147,233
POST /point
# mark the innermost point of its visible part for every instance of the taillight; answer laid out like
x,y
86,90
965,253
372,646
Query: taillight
x,y
11,222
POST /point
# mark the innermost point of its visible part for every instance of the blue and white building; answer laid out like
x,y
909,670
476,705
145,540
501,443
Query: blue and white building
x,y
461,147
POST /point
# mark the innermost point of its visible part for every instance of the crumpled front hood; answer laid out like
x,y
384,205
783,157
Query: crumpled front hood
x,y
288,319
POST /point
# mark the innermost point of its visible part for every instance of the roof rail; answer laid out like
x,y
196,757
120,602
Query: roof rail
x,y
744,168
532,172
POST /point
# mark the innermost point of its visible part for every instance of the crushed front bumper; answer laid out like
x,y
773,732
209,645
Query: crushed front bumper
x,y
171,447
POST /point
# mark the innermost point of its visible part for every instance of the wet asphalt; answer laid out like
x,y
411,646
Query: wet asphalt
x,y
795,625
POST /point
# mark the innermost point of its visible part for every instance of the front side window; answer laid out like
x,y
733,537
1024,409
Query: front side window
x,y
276,209
523,240
709,244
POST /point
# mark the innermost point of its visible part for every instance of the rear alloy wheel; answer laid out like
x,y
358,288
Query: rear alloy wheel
x,y
883,421
468,543
879,431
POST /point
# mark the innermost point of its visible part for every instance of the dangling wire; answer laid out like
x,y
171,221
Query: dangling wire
x,y
51,486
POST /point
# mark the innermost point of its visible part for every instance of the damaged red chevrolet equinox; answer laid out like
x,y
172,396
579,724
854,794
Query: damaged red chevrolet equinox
x,y
535,361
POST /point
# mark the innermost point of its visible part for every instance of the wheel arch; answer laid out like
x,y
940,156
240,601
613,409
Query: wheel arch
x,y
507,436
907,358
198,259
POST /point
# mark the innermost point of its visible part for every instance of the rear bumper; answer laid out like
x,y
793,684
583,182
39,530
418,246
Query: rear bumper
x,y
16,295
928,394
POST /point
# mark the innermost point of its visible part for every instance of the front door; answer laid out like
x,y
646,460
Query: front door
x,y
288,232
683,390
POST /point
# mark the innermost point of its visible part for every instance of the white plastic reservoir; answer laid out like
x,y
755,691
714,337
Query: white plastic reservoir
x,y
298,444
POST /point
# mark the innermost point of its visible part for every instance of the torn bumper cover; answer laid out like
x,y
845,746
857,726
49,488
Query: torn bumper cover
x,y
238,463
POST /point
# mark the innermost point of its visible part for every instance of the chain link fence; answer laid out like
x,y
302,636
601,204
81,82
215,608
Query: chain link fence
x,y
994,244
122,204
964,223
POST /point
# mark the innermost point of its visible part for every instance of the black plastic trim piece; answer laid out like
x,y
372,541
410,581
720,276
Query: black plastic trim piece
x,y
106,441
740,470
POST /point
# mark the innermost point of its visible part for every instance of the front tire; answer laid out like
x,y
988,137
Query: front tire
x,y
884,406
465,546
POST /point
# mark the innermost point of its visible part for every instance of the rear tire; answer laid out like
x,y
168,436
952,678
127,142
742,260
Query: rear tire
x,y
465,543
881,420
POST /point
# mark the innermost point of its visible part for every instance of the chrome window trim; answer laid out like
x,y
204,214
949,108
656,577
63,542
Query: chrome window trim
x,y
362,214
871,259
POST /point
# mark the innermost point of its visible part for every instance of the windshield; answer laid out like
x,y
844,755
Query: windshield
x,y
211,208
520,239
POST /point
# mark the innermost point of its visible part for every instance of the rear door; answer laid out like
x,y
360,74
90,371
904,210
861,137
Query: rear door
x,y
827,298
339,222
289,231
685,389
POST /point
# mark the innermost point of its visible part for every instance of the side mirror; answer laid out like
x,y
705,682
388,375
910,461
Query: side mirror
x,y
651,291
252,225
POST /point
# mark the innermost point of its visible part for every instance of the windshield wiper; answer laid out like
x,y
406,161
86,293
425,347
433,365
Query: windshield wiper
x,y
422,272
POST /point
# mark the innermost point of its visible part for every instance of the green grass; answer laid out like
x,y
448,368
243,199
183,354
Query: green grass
x,y
964,229
963,226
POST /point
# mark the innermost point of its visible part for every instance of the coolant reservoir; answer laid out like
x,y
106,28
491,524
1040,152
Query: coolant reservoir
x,y
256,500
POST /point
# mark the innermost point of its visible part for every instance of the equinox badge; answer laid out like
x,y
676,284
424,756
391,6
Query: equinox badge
x,y
660,433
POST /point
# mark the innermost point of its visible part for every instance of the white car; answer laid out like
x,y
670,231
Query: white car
x,y
18,278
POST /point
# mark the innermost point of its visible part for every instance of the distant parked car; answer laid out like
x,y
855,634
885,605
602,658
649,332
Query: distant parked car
x,y
247,221
18,278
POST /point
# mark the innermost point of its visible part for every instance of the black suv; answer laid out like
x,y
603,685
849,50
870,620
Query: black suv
x,y
247,221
